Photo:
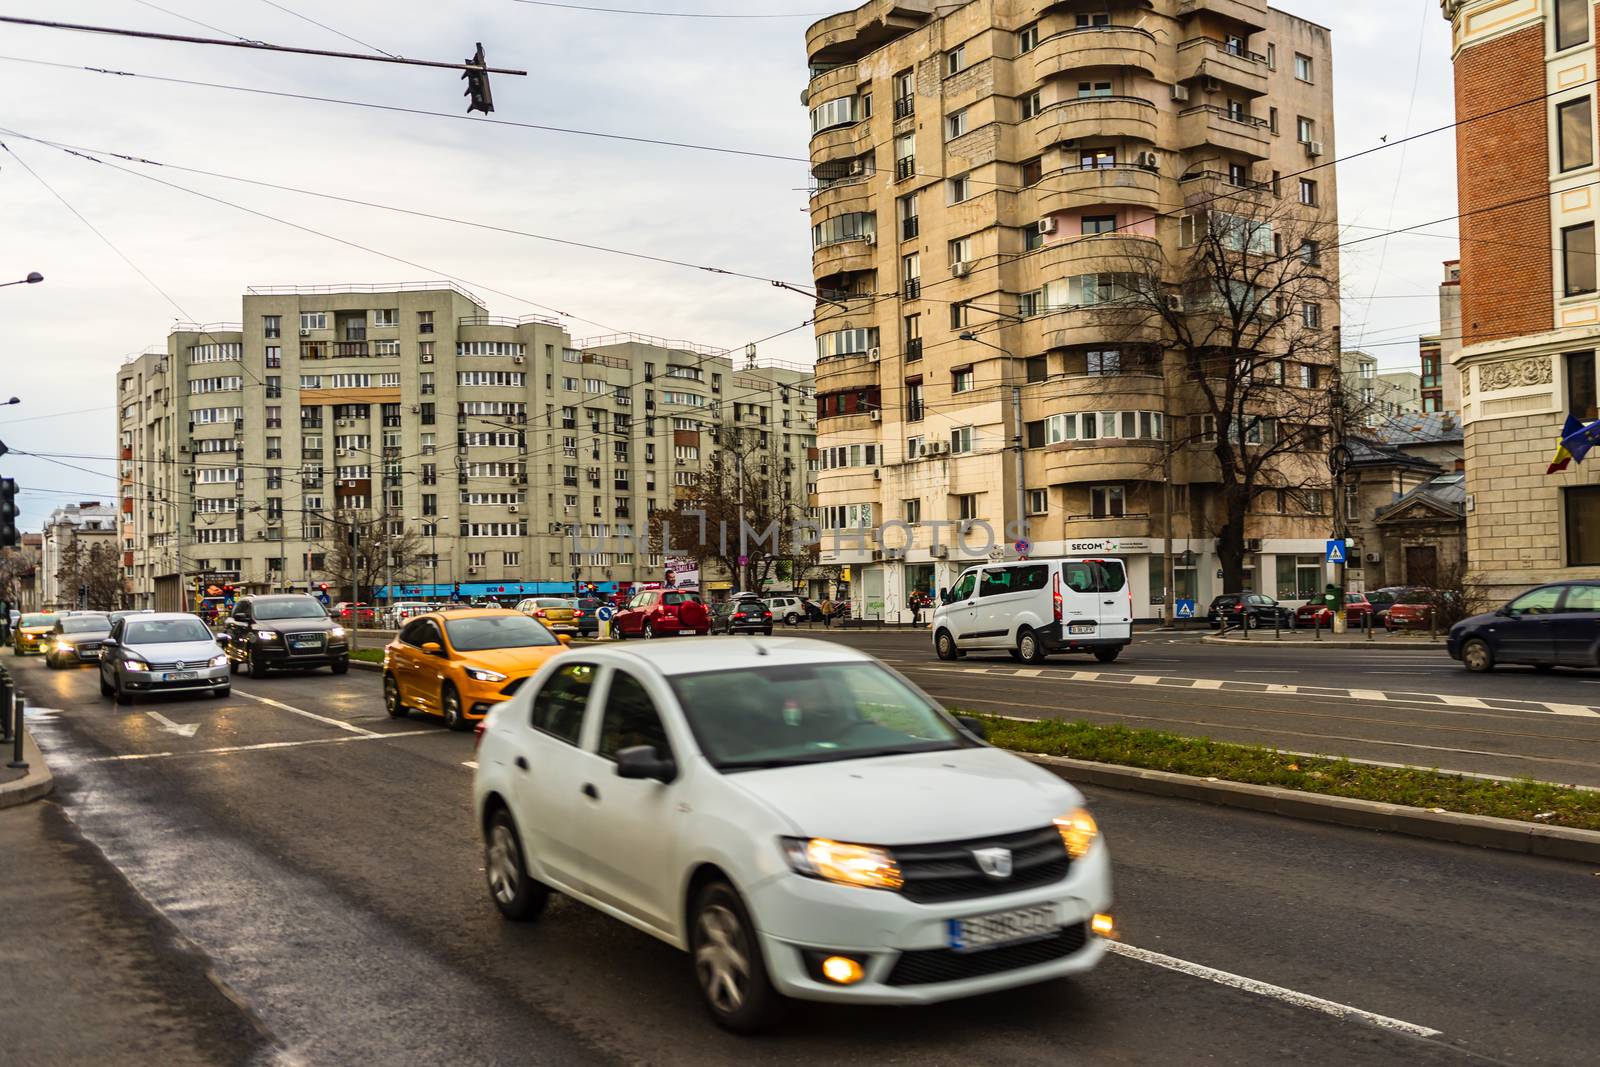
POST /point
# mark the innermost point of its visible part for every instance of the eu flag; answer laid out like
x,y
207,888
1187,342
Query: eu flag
x,y
1579,438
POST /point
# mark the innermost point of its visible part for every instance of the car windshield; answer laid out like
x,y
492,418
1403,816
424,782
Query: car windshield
x,y
1415,596
780,716
37,620
165,631
552,603
85,624
289,609
497,631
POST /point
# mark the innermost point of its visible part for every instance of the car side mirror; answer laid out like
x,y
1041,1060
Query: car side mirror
x,y
974,727
1509,613
108,642
641,762
224,640
432,648
565,639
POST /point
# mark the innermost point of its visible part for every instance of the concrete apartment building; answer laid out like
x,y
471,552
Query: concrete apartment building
x,y
244,446
1378,396
85,524
973,161
1441,378
1530,306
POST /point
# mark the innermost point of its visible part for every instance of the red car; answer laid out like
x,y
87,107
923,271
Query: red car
x,y
346,611
660,612
1411,610
1316,613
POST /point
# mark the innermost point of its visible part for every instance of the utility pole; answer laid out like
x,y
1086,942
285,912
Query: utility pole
x,y
1016,449
1337,458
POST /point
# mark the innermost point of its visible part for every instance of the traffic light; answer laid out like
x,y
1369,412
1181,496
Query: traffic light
x,y
9,538
478,84
322,587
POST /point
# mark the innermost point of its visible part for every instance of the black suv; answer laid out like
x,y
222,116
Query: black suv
x,y
1255,610
284,630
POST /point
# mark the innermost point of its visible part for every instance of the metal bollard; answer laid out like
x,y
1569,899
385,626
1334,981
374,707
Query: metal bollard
x,y
1244,624
17,762
1316,626
5,703
1366,623
1277,626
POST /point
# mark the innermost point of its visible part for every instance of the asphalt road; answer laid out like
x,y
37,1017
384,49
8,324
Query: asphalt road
x,y
322,858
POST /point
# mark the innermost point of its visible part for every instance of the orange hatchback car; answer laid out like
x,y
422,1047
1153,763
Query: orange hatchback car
x,y
459,664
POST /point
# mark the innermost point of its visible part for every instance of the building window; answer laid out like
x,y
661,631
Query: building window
x,y
272,325
1107,502
1302,67
913,338
960,189
1308,192
424,322
961,439
905,100
955,125
1028,38
958,315
1032,104
1097,158
1093,224
1272,119
905,162
1305,130
967,506
1573,134
1104,361
955,61
912,510
1038,501
1571,23
1299,577
906,210
1311,252
1032,171
1311,316
1084,22
961,380
960,250
1577,253
1582,505
313,320
1032,239
1581,399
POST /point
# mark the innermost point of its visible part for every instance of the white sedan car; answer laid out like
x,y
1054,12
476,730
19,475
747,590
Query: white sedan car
x,y
798,817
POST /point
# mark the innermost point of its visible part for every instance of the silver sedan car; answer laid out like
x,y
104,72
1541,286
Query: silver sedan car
x,y
162,652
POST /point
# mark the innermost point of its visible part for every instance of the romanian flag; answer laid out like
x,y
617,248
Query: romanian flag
x,y
1564,455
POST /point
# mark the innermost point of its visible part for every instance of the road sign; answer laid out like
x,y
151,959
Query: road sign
x,y
1185,609
1022,546
1336,551
605,612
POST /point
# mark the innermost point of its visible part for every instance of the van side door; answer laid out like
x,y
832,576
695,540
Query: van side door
x,y
1010,597
1115,608
960,615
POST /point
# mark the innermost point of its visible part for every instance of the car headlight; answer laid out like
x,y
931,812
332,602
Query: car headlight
x,y
219,661
478,674
337,631
135,665
1078,831
845,864
266,635
62,642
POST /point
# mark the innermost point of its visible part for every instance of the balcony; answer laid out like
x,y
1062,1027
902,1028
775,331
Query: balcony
x,y
852,140
1092,392
1127,47
345,349
858,253
1207,57
848,194
849,35
1208,126
1128,524
1096,254
1250,15
1200,187
1070,327
1131,117
905,107
827,84
1108,461
1120,183
840,373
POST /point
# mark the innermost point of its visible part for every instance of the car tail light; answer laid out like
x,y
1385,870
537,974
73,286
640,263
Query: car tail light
x,y
539,613
1055,595
577,614
477,733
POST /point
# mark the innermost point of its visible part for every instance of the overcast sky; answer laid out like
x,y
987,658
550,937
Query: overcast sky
x,y
731,83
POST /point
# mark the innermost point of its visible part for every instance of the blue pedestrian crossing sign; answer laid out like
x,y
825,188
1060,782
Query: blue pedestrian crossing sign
x,y
1185,609
1336,551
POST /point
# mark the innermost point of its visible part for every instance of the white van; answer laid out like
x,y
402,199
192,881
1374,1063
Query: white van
x,y
1031,608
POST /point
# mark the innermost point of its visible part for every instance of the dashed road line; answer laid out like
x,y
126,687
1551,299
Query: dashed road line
x,y
339,723
134,757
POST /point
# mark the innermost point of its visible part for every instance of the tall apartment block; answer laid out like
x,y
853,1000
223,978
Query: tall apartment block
x,y
990,166
1441,378
1530,307
247,447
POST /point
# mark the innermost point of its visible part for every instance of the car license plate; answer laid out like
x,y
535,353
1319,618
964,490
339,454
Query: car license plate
x,y
180,676
306,641
1003,927
1081,628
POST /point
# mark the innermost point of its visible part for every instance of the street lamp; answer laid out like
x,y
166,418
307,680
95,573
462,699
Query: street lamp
x,y
33,278
1016,418
432,522
13,400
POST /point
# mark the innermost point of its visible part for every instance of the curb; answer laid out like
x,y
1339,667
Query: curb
x,y
364,665
1387,644
1507,835
33,785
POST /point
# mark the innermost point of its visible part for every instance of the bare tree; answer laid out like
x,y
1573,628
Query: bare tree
x,y
90,577
16,574
360,553
704,523
1258,396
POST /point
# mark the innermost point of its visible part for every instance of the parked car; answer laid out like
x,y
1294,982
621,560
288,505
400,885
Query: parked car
x,y
32,631
791,609
162,652
352,613
1552,626
1412,610
713,797
396,614
1316,612
589,615
560,614
662,612
284,630
459,664
1035,607
77,640
745,615
1253,610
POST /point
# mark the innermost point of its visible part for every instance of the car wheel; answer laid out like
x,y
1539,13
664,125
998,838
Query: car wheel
x,y
792,619
518,896
1252,622
1476,657
391,698
50,661
450,705
1029,648
105,686
253,667
1108,655
224,691
727,963
233,665
124,697
944,646
341,666
767,631
648,632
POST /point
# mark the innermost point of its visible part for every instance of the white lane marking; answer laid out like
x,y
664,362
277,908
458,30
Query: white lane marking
x,y
186,730
1367,694
1030,673
471,763
1462,702
1208,683
1573,709
1276,688
1266,670
261,747
340,723
1275,992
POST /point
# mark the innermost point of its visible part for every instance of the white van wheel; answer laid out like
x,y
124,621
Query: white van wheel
x,y
1029,648
945,645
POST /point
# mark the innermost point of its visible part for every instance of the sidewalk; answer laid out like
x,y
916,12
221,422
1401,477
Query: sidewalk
x,y
1380,641
18,786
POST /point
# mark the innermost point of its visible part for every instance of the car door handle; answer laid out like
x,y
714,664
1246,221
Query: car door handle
x,y
522,763
590,791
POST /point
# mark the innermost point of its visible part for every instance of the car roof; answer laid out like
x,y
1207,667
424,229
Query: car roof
x,y
169,616
471,613
694,655
282,596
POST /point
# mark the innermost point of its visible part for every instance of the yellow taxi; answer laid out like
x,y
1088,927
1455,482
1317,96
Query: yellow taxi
x,y
32,632
459,664
559,614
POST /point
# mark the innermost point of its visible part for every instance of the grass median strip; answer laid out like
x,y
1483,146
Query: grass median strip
x,y
1529,801
367,655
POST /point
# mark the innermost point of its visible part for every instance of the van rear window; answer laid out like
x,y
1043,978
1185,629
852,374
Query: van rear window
x,y
1111,576
1095,576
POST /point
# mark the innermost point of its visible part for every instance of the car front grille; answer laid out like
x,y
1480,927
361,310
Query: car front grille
x,y
929,965
186,665
299,643
512,686
948,871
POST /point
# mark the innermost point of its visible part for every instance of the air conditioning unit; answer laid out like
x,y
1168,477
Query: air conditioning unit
x,y
877,472
472,570
519,359
1374,557
184,447
1148,160
1180,93
872,239
1047,224
1252,544
858,165
960,268
512,508
426,357
877,415
939,551
305,333
874,353
261,535
341,451
1313,149
556,527
1174,302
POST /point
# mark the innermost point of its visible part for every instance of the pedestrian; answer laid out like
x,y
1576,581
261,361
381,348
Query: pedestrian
x,y
827,613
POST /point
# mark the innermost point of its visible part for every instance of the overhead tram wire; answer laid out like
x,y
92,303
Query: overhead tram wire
x,y
192,21
330,29
675,14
